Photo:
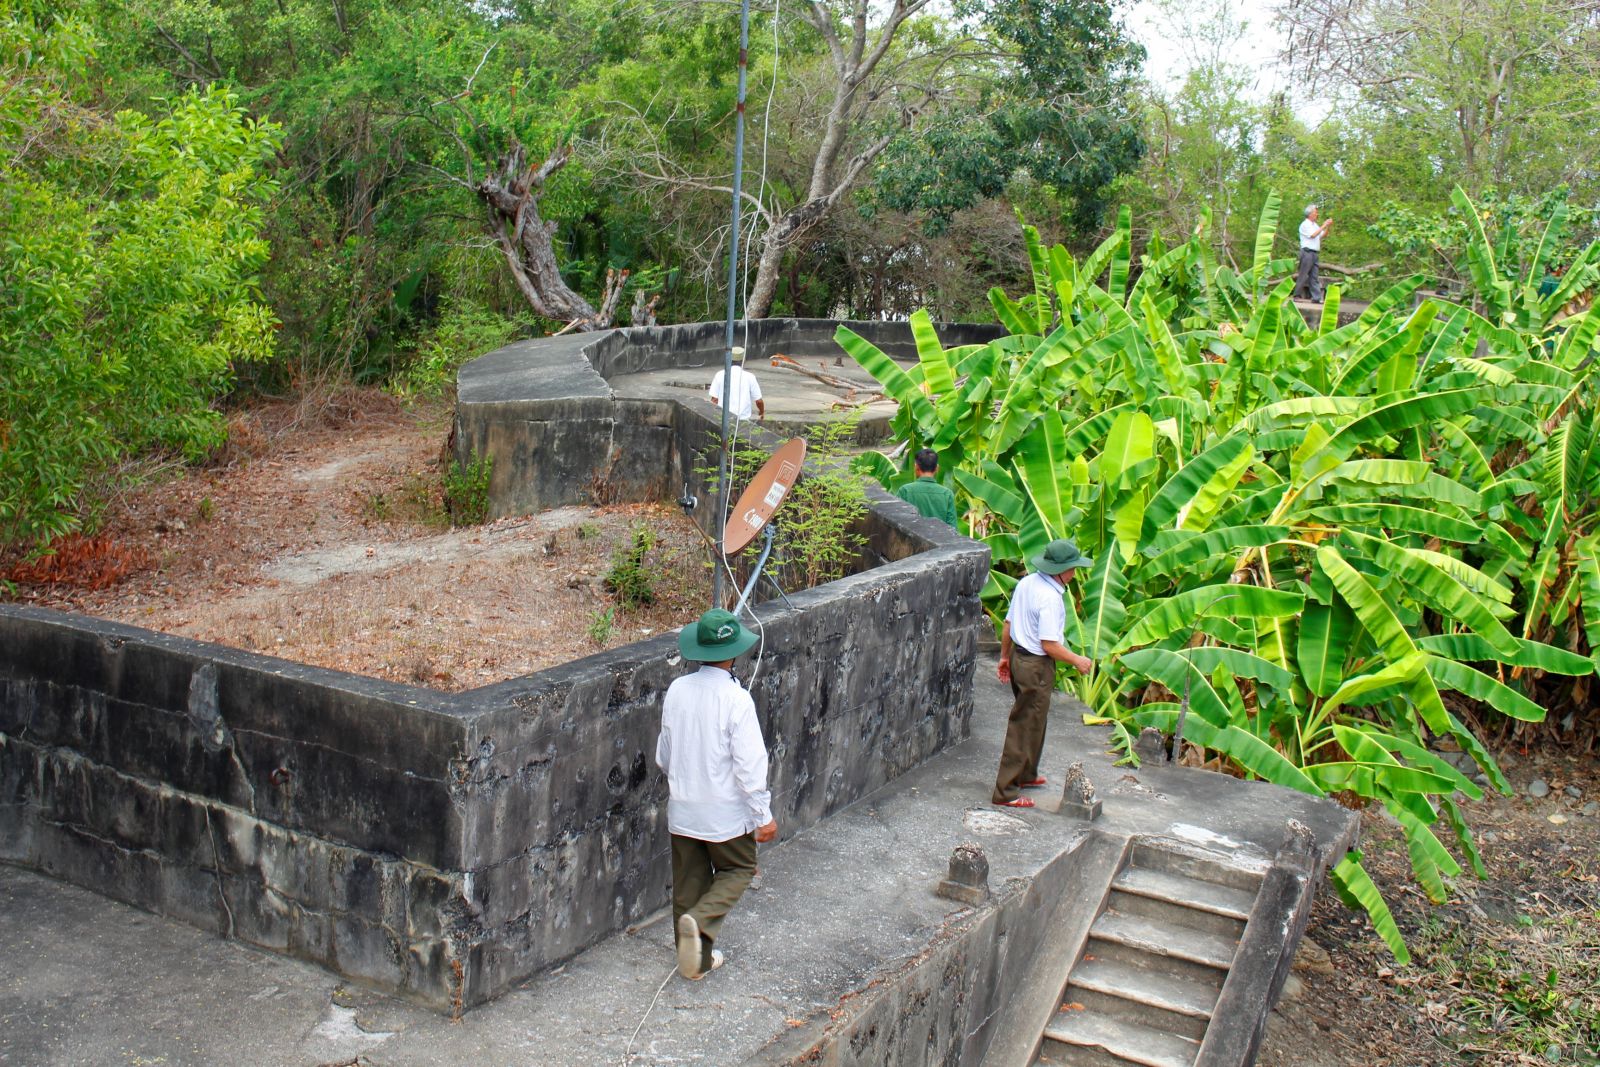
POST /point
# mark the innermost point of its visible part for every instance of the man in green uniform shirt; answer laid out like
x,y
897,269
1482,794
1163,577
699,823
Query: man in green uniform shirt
x,y
927,495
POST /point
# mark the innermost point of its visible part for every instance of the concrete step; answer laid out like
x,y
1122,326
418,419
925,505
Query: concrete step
x,y
1160,938
1174,913
1138,1012
1146,855
1152,986
1217,898
1198,974
1081,1039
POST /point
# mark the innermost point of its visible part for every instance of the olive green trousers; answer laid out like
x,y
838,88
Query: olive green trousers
x,y
708,878
1032,679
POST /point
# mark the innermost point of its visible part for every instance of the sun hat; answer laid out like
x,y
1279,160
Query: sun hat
x,y
716,637
1060,555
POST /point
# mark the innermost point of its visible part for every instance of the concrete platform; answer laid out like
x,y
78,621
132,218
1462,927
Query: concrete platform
x,y
793,399
84,980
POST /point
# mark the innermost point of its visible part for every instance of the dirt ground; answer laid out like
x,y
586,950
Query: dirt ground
x,y
321,538
325,541
1506,973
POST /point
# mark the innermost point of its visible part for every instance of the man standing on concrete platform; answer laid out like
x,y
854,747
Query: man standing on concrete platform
x,y
1307,285
925,494
718,804
744,397
1032,641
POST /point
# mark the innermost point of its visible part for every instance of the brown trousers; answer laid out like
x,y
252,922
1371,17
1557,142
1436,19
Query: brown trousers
x,y
1032,679
708,878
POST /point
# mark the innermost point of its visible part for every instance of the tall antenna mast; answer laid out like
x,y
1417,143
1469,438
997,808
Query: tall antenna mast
x,y
724,471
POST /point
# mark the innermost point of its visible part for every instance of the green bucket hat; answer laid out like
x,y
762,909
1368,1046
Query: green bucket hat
x,y
1058,556
716,637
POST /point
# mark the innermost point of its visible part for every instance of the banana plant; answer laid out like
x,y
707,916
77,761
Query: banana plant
x,y
1321,540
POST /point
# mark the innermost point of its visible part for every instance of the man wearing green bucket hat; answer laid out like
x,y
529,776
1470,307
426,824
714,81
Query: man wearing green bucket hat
x,y
718,804
1032,641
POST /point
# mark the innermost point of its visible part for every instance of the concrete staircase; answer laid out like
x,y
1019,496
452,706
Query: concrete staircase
x,y
1155,962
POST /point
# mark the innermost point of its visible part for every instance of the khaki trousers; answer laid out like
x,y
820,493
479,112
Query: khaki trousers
x,y
1032,679
708,878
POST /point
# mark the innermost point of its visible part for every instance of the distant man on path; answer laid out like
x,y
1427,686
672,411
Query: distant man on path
x,y
1306,284
925,494
718,804
1032,641
745,395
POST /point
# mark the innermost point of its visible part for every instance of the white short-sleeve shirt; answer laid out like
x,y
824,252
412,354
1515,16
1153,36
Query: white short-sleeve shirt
x,y
1037,613
743,395
1309,235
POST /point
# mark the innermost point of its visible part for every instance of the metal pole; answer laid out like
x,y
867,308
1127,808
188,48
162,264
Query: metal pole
x,y
724,467
755,575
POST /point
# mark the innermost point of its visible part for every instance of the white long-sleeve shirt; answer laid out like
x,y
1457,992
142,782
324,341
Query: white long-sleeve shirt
x,y
715,759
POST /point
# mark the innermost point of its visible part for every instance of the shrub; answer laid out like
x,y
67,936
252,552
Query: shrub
x,y
133,246
466,490
629,578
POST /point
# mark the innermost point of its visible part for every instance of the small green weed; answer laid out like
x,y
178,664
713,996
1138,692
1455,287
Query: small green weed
x,y
466,490
377,507
205,509
601,626
630,578
587,530
817,528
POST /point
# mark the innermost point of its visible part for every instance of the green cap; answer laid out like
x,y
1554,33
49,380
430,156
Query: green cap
x,y
716,637
1058,556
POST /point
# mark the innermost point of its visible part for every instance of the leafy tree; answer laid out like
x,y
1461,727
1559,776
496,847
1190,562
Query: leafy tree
x,y
1058,105
130,252
1502,94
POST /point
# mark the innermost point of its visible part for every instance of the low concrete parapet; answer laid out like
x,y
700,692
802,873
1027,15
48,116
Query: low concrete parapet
x,y
446,846
544,410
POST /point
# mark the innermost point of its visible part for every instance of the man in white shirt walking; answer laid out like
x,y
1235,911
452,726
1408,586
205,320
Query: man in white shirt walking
x,y
718,804
744,394
1306,284
1032,641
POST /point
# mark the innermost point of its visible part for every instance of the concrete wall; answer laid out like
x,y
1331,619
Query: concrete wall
x,y
302,810
445,846
543,409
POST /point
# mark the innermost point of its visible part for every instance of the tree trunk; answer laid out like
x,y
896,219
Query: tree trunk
x,y
511,198
779,238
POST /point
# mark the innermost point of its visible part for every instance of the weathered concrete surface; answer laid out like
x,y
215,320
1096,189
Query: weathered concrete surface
x,y
844,955
560,434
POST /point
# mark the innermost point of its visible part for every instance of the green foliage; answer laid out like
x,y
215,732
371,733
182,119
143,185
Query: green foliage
x,y
816,533
134,244
1532,235
630,578
463,332
820,521
466,490
1061,112
602,624
1321,539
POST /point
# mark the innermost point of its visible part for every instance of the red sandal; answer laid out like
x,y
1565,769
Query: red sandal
x,y
1020,802
1038,783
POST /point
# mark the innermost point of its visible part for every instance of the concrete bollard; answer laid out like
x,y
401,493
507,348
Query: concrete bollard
x,y
968,880
1077,795
1151,747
